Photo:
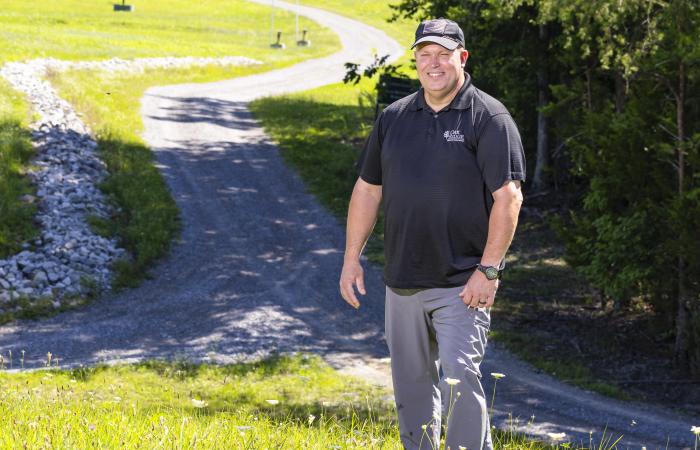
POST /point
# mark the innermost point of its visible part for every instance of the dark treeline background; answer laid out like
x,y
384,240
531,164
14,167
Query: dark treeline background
x,y
605,93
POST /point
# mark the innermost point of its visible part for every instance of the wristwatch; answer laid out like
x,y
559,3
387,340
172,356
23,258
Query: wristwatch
x,y
491,272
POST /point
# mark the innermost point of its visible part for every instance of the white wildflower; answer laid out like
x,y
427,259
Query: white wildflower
x,y
452,381
497,375
557,436
199,403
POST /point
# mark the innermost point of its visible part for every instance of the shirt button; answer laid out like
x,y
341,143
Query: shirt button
x,y
435,115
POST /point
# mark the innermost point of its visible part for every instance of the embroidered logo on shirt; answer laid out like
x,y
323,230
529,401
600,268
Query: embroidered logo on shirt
x,y
454,136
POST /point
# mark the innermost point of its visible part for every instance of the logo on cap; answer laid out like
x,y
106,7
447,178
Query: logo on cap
x,y
435,26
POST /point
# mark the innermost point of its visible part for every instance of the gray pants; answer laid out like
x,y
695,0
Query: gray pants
x,y
433,333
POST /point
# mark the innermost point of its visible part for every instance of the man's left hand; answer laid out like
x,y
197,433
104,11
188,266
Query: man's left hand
x,y
479,291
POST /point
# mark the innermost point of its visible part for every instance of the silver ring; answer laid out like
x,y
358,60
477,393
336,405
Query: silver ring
x,y
482,303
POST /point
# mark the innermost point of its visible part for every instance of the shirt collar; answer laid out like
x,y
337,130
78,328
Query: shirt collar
x,y
461,101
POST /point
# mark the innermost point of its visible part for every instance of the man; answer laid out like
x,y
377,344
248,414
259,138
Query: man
x,y
447,161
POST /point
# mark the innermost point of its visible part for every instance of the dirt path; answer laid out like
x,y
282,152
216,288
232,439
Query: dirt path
x,y
256,269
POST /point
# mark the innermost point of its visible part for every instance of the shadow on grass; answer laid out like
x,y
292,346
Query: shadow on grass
x,y
146,218
16,216
243,386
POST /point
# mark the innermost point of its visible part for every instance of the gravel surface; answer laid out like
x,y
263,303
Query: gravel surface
x,y
256,269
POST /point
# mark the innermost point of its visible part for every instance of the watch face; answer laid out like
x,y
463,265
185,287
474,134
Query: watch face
x,y
491,273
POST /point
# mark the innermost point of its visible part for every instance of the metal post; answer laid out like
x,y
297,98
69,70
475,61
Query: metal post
x,y
296,34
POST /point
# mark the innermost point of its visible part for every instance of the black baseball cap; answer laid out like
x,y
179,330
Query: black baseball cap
x,y
441,31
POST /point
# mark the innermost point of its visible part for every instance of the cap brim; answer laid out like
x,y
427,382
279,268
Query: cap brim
x,y
448,43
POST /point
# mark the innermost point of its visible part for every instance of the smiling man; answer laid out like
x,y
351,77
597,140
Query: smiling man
x,y
447,161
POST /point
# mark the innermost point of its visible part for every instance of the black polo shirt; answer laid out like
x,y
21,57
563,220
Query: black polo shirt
x,y
437,171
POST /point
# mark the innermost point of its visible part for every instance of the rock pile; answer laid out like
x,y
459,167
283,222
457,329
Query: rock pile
x,y
42,65
68,258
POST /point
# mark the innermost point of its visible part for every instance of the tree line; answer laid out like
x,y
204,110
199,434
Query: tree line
x,y
605,93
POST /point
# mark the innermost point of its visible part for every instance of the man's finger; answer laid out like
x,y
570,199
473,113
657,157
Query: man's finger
x,y
348,294
360,281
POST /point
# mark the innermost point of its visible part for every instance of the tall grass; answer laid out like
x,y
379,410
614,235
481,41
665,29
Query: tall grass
x,y
286,402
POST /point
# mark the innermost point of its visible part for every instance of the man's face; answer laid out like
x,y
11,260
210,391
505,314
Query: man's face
x,y
439,69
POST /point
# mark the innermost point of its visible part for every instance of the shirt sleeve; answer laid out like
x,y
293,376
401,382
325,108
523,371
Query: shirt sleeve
x,y
369,164
499,152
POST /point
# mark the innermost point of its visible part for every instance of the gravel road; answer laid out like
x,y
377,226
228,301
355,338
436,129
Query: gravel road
x,y
255,271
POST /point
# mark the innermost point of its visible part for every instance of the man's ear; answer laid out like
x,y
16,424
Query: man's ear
x,y
463,56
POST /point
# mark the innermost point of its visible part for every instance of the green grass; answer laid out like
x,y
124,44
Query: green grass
x,y
157,404
372,13
16,224
79,30
295,402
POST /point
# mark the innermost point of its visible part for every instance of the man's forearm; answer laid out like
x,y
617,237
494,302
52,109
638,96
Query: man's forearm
x,y
362,215
502,223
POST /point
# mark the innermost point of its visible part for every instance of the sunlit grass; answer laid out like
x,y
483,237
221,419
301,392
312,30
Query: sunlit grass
x,y
79,30
287,402
295,402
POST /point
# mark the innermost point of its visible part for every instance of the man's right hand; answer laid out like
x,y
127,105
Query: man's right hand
x,y
352,275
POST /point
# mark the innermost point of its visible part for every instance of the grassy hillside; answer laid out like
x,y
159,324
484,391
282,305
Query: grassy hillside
x,y
90,30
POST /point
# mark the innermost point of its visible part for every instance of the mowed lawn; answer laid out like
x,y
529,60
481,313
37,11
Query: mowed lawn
x,y
90,30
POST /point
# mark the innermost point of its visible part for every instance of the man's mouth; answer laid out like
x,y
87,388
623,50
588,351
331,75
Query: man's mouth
x,y
435,74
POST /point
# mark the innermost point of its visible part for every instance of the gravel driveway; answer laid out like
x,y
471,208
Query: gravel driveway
x,y
256,269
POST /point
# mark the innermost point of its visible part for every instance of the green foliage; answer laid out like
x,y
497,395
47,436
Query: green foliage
x,y
16,216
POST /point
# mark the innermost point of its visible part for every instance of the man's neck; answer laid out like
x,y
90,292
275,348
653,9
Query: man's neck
x,y
438,103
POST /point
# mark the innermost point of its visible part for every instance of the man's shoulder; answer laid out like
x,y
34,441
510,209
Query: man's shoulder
x,y
486,105
401,105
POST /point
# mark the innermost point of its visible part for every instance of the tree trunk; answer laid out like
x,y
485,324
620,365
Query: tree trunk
x,y
589,85
620,93
539,180
681,344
